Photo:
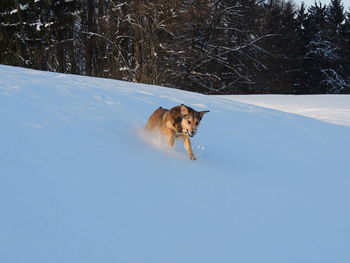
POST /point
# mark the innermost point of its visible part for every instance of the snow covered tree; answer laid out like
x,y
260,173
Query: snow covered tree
x,y
63,43
13,36
336,32
154,38
33,33
209,46
224,47
345,47
324,71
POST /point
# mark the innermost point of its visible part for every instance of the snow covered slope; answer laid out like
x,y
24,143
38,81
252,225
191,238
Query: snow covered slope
x,y
330,108
79,181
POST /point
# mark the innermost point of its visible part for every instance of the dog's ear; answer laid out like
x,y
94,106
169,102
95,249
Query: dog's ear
x,y
183,109
201,113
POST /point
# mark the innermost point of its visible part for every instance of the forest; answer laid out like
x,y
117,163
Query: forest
x,y
206,46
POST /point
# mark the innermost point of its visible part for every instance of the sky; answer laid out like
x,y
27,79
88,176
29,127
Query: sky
x,y
346,3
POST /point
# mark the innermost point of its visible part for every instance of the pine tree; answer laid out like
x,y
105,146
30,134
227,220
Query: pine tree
x,y
323,71
335,18
337,73
281,53
345,54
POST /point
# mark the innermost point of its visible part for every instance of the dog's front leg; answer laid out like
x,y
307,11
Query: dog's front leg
x,y
188,147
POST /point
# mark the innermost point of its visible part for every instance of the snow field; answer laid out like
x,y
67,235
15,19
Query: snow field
x,y
80,181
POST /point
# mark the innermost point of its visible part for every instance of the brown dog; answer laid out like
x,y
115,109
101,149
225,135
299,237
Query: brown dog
x,y
180,121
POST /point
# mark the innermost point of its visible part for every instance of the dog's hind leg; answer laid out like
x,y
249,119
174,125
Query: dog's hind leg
x,y
170,136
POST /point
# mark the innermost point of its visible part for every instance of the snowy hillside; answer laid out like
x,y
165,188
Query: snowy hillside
x,y
80,182
334,109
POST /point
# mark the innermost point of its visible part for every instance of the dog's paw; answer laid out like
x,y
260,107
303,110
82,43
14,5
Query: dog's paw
x,y
192,157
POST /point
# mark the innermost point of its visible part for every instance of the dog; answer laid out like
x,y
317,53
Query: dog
x,y
180,121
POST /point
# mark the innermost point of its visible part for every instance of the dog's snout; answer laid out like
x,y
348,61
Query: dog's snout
x,y
192,133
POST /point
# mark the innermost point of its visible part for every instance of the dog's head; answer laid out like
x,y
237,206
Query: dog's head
x,y
190,120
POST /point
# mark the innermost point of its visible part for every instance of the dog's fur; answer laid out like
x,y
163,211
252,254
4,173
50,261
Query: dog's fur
x,y
180,121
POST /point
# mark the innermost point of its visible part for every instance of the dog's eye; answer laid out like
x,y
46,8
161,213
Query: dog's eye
x,y
197,123
189,122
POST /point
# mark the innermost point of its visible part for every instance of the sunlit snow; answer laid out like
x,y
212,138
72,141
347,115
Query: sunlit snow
x,y
80,181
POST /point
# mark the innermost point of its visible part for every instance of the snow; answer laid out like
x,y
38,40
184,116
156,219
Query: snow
x,y
81,182
39,25
333,109
23,7
14,11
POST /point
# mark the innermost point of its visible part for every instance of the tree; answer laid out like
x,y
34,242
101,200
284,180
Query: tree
x,y
223,47
300,87
37,33
281,58
335,17
13,35
208,46
63,42
345,55
324,70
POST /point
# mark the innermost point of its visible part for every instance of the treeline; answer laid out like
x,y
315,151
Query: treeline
x,y
208,46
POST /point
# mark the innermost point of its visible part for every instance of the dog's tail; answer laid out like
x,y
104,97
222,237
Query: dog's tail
x,y
149,126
